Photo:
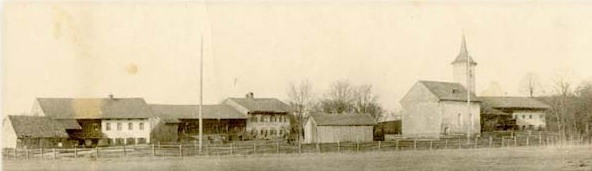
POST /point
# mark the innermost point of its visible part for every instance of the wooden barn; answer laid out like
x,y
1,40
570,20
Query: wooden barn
x,y
32,132
221,122
332,128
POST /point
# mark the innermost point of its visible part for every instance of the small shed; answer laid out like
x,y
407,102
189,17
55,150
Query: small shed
x,y
32,132
332,128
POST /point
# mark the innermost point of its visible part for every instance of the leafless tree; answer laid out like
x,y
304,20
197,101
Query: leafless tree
x,y
365,101
301,99
339,99
531,85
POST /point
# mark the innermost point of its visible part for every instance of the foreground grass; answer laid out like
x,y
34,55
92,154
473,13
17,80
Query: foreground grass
x,y
534,158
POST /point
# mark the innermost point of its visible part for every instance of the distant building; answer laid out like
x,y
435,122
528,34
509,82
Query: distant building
x,y
331,128
268,118
32,132
528,113
106,121
220,121
436,108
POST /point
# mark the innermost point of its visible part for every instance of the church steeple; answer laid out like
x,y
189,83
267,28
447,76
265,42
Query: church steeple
x,y
463,54
464,67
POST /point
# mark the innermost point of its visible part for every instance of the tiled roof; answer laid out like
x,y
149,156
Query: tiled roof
x,y
169,112
448,91
262,104
95,108
37,127
343,119
514,102
491,111
69,123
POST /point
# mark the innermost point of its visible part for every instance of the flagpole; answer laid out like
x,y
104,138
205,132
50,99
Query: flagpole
x,y
200,94
468,66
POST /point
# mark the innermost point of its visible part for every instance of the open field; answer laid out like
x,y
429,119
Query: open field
x,y
516,158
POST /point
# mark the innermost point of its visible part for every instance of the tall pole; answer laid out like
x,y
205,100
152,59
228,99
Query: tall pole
x,y
468,93
200,94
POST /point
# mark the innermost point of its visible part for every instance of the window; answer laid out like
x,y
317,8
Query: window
x,y
141,126
119,126
261,132
108,127
529,116
281,132
272,132
130,126
96,127
261,119
523,116
253,119
141,140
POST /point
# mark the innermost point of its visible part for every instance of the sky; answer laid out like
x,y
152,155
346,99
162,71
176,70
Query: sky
x,y
151,49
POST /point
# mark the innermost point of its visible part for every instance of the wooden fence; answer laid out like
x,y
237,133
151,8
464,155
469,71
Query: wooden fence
x,y
284,148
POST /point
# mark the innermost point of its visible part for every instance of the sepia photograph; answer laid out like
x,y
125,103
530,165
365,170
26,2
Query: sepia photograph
x,y
296,85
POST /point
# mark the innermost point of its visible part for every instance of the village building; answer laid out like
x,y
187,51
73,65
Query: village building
x,y
439,108
528,112
332,128
496,120
32,132
220,122
106,121
268,118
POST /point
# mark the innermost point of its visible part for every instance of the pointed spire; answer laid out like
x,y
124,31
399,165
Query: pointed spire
x,y
463,54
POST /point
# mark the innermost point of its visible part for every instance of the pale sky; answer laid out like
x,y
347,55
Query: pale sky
x,y
151,49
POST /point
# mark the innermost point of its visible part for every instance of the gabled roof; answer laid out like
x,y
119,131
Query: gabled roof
x,y
514,102
69,123
95,108
486,110
446,91
343,119
262,104
463,54
37,127
169,112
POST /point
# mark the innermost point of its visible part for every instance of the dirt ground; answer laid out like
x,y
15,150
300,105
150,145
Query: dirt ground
x,y
534,158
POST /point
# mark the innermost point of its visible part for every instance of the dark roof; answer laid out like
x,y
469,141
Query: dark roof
x,y
343,119
463,54
95,108
491,111
69,123
514,102
262,104
448,91
192,112
37,127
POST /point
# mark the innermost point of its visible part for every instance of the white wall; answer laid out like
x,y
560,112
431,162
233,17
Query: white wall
x,y
537,120
310,131
125,132
457,118
8,135
422,114
333,134
268,124
460,75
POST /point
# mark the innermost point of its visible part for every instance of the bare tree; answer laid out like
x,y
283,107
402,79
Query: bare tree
x,y
339,98
301,99
531,85
365,101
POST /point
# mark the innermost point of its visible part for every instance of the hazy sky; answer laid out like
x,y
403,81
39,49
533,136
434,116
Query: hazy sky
x,y
151,49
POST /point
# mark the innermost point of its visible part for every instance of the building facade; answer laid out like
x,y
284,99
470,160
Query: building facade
x,y
333,128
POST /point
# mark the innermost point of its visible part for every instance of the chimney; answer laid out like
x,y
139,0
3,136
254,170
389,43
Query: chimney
x,y
250,95
111,97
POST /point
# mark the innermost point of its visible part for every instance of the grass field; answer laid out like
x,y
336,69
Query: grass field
x,y
519,158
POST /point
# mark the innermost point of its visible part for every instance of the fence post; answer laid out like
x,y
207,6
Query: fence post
x,y
446,144
97,152
254,148
153,151
180,150
299,147
527,140
459,147
54,154
431,143
231,149
476,142
357,146
15,153
490,141
26,152
515,142
75,152
379,145
397,145
277,147
123,150
338,146
540,140
414,144
318,148
42,152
